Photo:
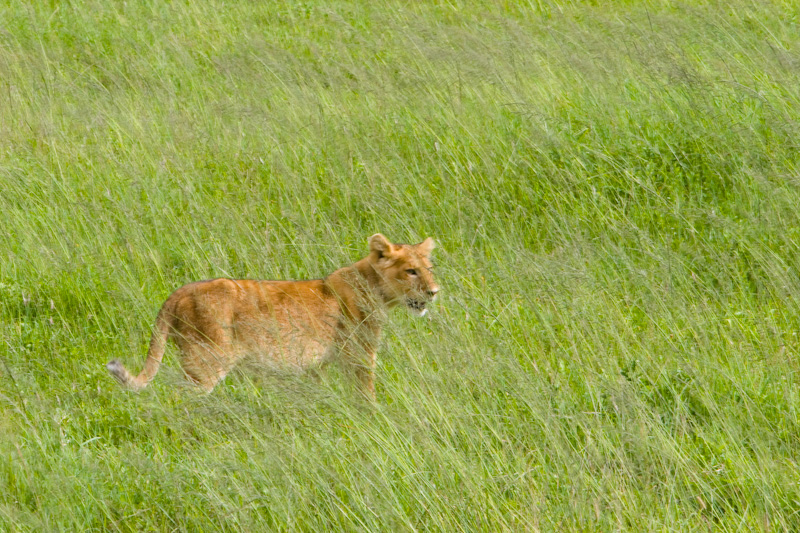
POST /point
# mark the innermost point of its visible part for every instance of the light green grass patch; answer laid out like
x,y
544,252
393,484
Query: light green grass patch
x,y
614,190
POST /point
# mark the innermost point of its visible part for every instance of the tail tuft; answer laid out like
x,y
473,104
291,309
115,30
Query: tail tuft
x,y
121,374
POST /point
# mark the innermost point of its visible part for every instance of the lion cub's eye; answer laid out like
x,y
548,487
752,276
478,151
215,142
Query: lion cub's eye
x,y
411,271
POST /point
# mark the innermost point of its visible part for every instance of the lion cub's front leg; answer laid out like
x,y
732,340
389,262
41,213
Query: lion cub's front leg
x,y
358,348
366,376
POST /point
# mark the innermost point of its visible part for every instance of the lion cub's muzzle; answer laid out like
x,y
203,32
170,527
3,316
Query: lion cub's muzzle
x,y
418,304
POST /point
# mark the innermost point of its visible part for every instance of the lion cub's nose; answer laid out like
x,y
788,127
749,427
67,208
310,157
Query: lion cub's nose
x,y
432,292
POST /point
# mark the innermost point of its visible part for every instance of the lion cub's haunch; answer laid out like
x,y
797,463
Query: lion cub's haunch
x,y
216,323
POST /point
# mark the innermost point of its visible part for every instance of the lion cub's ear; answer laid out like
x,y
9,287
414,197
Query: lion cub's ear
x,y
380,245
426,246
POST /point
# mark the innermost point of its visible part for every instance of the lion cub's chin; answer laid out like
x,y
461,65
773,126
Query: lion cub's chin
x,y
416,307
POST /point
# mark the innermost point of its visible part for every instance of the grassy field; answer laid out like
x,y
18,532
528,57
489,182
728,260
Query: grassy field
x,y
615,190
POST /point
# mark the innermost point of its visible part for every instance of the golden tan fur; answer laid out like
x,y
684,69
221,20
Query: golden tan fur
x,y
299,324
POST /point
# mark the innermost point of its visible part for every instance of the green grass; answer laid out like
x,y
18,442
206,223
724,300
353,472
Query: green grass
x,y
614,189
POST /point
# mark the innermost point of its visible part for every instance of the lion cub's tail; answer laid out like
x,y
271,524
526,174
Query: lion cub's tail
x,y
158,343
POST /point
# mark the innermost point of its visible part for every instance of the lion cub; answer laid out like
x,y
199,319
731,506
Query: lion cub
x,y
299,324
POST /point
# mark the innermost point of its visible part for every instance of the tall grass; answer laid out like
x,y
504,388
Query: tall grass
x,y
614,188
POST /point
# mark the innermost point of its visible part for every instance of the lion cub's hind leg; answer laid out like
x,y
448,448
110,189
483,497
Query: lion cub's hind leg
x,y
206,359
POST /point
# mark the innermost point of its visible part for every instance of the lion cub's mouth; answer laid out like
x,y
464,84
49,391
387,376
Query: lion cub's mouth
x,y
418,306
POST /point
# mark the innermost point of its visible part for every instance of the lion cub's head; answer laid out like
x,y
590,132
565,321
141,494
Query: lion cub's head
x,y
405,272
